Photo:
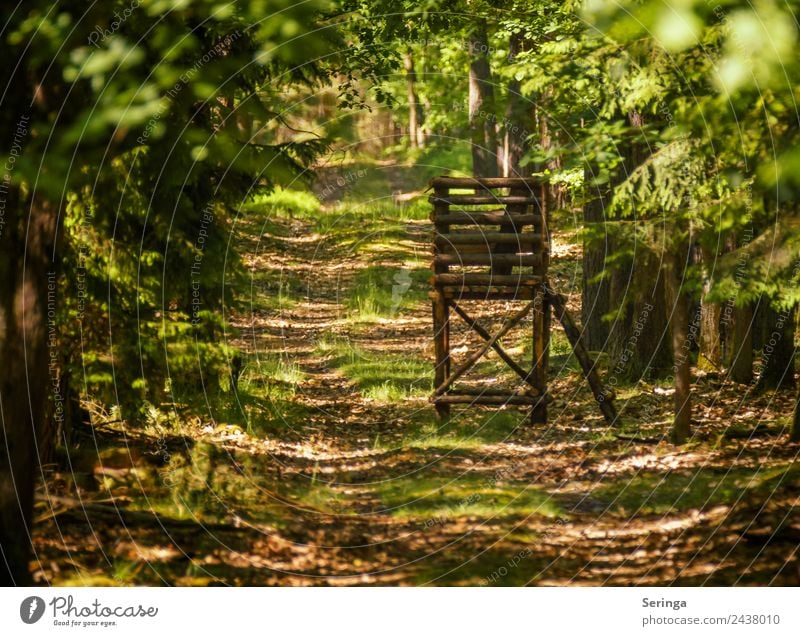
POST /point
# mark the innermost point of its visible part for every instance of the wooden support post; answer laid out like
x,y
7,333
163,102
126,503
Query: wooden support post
x,y
441,341
541,323
441,314
540,335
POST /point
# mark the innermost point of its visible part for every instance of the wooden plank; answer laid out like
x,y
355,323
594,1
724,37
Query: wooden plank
x,y
488,289
511,280
486,182
489,238
480,390
515,260
474,248
495,400
477,328
495,248
477,296
499,268
574,335
482,199
510,323
487,292
464,217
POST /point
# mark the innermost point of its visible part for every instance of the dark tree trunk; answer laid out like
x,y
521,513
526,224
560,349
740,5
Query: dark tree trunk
x,y
414,109
639,344
482,116
594,293
679,328
636,343
777,348
548,139
710,357
710,341
26,243
519,120
741,365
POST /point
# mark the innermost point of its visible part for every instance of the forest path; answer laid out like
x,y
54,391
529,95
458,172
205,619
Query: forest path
x,y
334,470
486,498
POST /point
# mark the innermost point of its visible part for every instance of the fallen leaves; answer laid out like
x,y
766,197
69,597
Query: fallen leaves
x,y
306,501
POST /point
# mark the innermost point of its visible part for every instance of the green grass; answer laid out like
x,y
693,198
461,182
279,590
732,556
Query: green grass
x,y
355,223
388,378
264,399
378,376
299,204
465,430
271,289
208,485
448,157
430,499
319,497
380,292
270,376
418,209
701,489
503,564
330,344
561,354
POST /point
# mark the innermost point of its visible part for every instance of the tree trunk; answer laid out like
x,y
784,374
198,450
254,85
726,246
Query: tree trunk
x,y
482,116
414,109
777,352
519,118
710,358
679,328
27,243
794,435
519,115
594,293
636,342
741,366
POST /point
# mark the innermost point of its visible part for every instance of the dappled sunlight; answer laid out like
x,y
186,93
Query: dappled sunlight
x,y
332,467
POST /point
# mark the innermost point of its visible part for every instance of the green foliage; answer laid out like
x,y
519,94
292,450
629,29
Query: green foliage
x,y
159,130
152,128
717,119
288,203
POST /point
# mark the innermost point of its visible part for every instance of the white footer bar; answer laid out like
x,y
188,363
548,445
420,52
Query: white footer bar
x,y
400,612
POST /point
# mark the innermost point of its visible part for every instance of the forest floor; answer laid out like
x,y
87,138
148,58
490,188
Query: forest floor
x,y
333,470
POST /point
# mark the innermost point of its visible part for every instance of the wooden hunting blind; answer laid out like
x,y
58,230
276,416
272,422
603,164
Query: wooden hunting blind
x,y
491,244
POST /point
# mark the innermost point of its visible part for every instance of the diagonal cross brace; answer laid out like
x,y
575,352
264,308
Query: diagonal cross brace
x,y
473,324
605,403
479,354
